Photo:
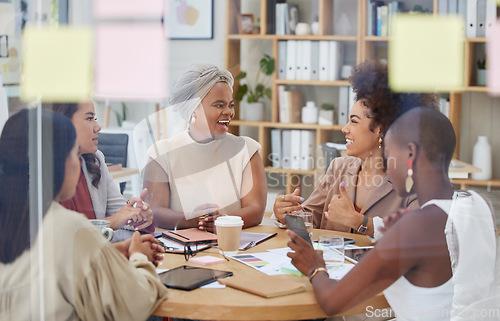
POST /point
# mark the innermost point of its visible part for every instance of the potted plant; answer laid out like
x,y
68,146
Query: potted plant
x,y
481,72
326,114
121,117
254,107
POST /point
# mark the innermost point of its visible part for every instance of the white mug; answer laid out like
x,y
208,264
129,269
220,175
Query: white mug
x,y
104,227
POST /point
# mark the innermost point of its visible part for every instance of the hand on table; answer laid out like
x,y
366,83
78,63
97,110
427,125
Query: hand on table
x,y
136,213
147,245
285,204
304,257
392,219
207,214
341,209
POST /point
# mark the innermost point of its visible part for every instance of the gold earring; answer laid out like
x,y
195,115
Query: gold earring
x,y
409,178
380,142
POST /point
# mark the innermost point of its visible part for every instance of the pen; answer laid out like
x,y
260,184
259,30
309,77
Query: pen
x,y
180,235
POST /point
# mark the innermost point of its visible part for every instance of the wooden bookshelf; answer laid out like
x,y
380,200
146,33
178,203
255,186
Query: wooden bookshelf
x,y
367,48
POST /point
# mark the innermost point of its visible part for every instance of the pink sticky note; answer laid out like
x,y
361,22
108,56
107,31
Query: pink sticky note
x,y
206,260
109,9
493,63
130,62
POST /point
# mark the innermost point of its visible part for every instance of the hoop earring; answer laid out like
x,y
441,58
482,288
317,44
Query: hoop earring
x,y
193,120
409,179
380,142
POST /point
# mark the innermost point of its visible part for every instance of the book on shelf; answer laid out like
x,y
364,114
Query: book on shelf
x,y
307,149
271,15
343,109
290,105
282,53
286,152
295,149
336,59
323,60
276,147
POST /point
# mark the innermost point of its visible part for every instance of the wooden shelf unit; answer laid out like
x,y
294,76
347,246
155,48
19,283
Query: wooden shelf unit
x,y
366,47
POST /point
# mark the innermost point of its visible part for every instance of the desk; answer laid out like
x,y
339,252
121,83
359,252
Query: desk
x,y
232,304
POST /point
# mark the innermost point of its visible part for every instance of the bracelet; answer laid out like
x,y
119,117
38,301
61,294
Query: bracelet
x,y
316,270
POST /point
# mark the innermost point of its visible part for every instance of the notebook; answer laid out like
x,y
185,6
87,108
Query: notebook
x,y
264,285
249,239
191,236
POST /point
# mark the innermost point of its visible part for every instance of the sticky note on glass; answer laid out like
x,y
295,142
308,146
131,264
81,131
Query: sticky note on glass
x,y
116,9
57,64
130,62
426,53
493,63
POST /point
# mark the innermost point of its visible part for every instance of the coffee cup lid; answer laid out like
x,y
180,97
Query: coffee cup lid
x,y
227,220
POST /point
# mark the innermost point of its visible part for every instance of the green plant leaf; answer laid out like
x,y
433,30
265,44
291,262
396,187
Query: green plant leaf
x,y
241,75
267,65
242,91
119,119
268,92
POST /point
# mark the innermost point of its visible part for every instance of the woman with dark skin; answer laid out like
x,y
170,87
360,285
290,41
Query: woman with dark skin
x,y
413,254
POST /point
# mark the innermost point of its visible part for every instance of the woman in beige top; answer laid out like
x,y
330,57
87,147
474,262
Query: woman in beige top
x,y
54,265
356,193
205,170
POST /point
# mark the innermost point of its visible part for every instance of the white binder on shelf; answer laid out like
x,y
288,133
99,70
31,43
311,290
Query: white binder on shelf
x,y
306,59
470,29
336,58
291,49
343,116
314,60
295,149
276,147
307,149
351,101
481,18
284,114
323,60
452,7
286,151
462,10
299,60
282,59
442,7
491,16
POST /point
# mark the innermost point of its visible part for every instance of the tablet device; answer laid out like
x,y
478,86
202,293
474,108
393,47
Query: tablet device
x,y
348,240
191,277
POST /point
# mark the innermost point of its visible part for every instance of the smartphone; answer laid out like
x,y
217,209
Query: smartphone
x,y
296,224
355,255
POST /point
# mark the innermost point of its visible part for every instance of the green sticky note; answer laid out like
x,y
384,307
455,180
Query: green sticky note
x,y
57,64
426,53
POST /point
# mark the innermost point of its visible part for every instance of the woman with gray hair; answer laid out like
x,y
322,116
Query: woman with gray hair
x,y
205,170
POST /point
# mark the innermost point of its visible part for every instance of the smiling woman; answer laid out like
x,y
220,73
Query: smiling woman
x,y
205,170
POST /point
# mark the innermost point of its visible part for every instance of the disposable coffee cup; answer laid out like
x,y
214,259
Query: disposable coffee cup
x,y
104,227
228,234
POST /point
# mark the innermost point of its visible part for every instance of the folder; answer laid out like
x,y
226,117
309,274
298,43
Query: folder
x,y
291,49
282,52
299,60
336,53
384,18
452,6
343,116
481,18
369,17
323,60
379,21
190,236
470,29
286,152
442,7
263,285
295,104
276,147
284,115
306,59
307,149
491,16
295,149
315,60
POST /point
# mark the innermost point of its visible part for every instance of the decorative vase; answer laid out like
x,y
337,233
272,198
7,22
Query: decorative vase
x,y
254,111
310,113
325,117
302,29
315,28
481,77
482,158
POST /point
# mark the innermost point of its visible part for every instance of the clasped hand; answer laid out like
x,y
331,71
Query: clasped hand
x,y
136,213
145,244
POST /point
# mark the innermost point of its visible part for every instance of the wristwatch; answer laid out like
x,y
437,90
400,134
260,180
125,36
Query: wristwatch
x,y
362,228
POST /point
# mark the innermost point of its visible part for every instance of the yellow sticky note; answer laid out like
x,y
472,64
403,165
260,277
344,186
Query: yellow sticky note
x,y
57,64
426,53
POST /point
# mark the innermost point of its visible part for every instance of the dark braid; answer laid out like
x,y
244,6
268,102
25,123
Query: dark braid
x,y
91,161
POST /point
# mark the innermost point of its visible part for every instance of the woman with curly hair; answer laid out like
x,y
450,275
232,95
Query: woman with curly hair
x,y
356,193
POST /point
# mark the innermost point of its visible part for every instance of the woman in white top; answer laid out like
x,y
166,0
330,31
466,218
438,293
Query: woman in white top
x,y
411,263
205,170
55,265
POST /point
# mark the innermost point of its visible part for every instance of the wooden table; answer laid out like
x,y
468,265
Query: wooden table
x,y
232,304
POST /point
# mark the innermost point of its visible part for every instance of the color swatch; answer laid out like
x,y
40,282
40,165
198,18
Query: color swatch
x,y
251,260
426,53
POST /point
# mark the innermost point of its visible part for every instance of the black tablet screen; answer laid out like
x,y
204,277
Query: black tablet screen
x,y
190,277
